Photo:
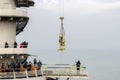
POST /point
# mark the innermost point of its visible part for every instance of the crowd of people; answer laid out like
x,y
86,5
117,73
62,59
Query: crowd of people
x,y
16,66
15,45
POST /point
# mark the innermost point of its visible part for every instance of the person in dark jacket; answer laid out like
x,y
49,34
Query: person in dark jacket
x,y
78,64
35,61
39,65
29,66
15,44
25,64
24,44
12,65
2,67
6,45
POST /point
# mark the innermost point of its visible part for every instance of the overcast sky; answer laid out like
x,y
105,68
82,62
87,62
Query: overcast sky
x,y
89,24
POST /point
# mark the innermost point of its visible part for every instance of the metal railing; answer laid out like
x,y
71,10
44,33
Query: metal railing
x,y
48,71
19,74
64,70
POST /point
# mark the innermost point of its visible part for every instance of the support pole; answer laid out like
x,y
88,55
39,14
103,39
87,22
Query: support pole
x,y
26,73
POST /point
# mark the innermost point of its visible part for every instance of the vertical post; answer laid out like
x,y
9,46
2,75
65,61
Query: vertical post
x,y
14,74
61,56
45,72
36,73
26,73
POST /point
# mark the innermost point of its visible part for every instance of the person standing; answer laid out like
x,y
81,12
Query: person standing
x,y
25,65
35,61
6,45
2,67
29,66
39,65
24,44
15,44
78,64
21,45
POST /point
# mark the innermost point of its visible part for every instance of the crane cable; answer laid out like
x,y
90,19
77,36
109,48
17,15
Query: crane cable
x,y
61,8
62,32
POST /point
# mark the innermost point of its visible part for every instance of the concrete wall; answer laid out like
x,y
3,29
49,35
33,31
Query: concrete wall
x,y
7,32
7,4
8,28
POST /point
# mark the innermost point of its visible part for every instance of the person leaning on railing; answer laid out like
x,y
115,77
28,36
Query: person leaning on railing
x,y
29,66
2,67
19,67
22,68
39,64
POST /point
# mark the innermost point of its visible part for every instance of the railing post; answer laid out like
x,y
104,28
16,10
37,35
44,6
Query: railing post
x,y
36,73
14,74
26,73
45,72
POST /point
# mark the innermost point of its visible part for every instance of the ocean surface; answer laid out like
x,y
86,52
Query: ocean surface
x,y
101,64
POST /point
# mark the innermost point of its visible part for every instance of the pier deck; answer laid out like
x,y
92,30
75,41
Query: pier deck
x,y
52,71
64,71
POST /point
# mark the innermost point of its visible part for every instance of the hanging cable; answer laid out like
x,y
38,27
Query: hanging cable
x,y
61,8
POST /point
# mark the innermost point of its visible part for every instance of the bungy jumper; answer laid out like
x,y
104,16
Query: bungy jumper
x,y
62,36
13,59
62,32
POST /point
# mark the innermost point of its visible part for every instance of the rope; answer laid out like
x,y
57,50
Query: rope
x,y
61,56
62,8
